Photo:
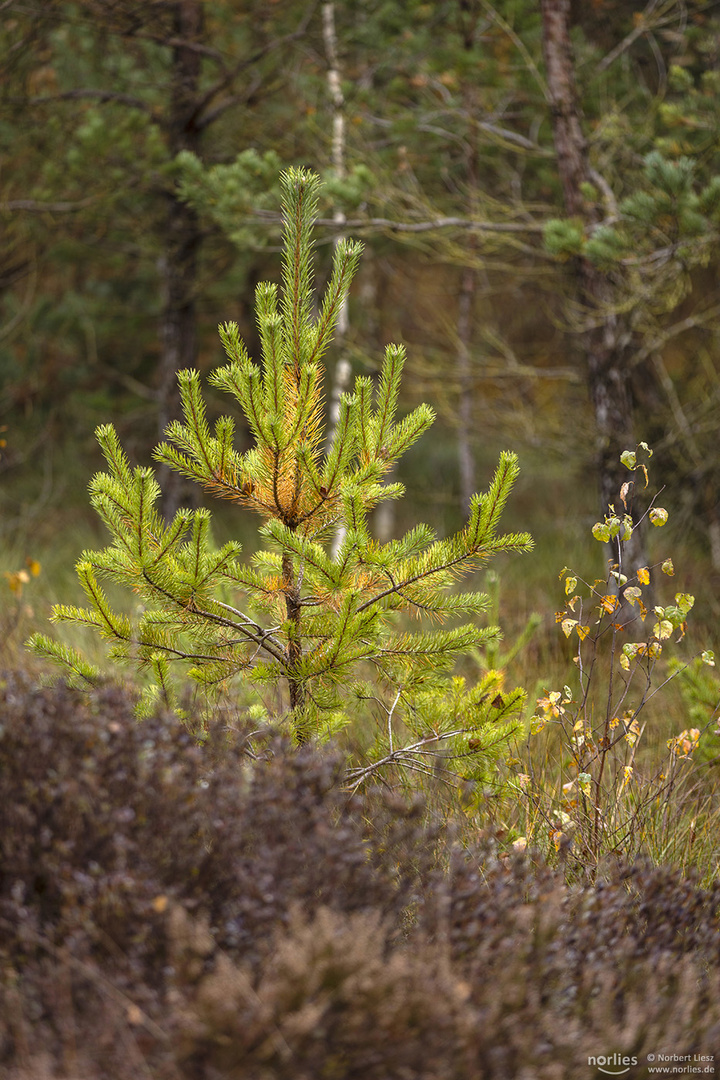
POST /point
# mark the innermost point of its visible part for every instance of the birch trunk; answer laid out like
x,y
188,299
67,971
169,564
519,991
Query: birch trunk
x,y
343,370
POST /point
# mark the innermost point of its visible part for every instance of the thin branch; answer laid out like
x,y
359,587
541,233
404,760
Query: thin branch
x,y
390,716
241,65
228,103
438,223
25,305
35,207
216,619
415,226
269,633
398,755
178,43
519,44
642,26
130,383
98,95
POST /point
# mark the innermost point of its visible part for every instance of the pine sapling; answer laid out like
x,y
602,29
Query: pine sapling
x,y
292,617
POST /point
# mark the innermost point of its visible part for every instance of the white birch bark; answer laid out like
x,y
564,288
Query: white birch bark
x,y
343,371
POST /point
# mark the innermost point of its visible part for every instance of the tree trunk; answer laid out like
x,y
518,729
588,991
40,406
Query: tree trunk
x,y
466,461
178,333
604,337
343,369
296,688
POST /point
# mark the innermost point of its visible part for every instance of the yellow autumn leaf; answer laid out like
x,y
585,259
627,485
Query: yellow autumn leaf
x,y
632,732
559,839
33,566
16,579
609,603
684,743
643,575
582,631
550,704
567,626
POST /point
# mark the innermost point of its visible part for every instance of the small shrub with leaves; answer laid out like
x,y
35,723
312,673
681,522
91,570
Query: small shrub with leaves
x,y
611,800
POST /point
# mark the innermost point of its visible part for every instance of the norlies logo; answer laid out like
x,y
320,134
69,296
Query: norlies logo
x,y
609,1064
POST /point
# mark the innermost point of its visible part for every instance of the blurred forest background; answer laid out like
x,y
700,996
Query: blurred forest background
x,y
536,184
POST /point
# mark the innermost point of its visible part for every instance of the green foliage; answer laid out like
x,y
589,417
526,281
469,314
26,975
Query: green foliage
x,y
293,616
229,194
241,197
563,238
662,228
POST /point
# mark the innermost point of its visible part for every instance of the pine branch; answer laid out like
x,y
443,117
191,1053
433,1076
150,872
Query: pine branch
x,y
345,261
80,672
300,190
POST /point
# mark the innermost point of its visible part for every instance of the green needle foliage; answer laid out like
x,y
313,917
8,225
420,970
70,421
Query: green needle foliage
x,y
293,619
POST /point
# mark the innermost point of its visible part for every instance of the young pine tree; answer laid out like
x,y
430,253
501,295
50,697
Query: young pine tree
x,y
292,617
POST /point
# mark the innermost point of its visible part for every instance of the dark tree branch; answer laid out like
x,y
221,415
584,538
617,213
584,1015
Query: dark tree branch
x,y
35,207
228,103
99,95
231,73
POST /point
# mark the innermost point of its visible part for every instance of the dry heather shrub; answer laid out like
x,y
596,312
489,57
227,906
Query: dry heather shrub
x,y
333,1000
181,913
107,822
558,974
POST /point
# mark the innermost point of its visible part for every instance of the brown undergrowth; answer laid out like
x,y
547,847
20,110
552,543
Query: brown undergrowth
x,y
189,913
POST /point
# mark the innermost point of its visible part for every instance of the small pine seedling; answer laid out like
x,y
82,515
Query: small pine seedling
x,y
293,616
